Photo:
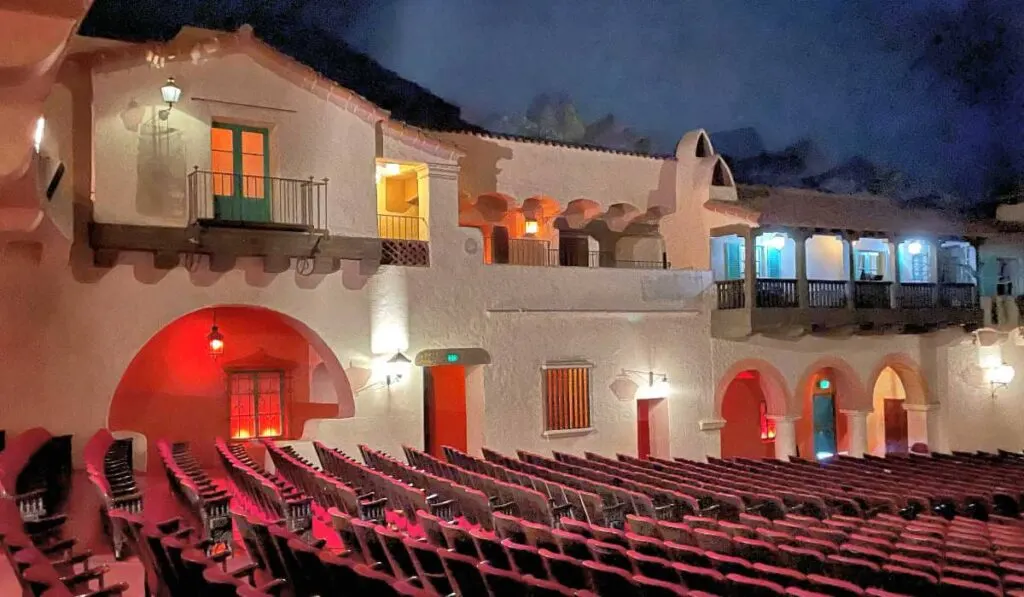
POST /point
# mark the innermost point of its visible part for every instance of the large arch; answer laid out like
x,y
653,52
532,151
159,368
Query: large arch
x,y
174,389
887,428
848,392
742,391
910,376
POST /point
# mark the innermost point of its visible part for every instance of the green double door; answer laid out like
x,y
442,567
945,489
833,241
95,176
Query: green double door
x,y
240,162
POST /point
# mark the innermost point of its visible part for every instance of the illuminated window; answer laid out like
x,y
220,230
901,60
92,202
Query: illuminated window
x,y
256,403
567,397
767,425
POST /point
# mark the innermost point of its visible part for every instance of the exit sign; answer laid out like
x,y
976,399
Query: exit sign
x,y
452,357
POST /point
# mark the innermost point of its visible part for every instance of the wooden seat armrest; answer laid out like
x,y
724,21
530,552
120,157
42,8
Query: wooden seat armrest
x,y
275,587
248,571
111,591
75,558
170,525
124,499
183,534
85,576
59,546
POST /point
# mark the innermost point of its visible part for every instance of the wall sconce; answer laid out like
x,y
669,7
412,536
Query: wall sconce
x,y
396,368
170,93
914,247
999,377
531,227
215,339
657,384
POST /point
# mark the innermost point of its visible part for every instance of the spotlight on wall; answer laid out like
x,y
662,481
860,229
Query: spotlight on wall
x,y
171,93
531,226
385,170
397,368
915,247
656,386
999,377
37,134
215,339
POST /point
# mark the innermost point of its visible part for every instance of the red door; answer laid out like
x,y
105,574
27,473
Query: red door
x,y
643,428
444,408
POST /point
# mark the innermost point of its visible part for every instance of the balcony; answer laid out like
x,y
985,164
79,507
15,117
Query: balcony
x,y
403,240
541,253
232,215
797,282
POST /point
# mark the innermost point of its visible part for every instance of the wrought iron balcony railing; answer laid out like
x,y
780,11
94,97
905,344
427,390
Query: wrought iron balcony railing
x,y
230,199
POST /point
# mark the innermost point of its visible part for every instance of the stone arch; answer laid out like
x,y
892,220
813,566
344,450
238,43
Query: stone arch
x,y
180,343
695,144
910,376
849,395
721,174
773,385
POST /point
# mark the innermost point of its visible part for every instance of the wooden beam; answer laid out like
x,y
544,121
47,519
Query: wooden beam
x,y
276,264
221,262
326,265
166,260
105,258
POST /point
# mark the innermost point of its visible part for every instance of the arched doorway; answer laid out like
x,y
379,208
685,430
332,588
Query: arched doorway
x,y
887,423
829,387
271,377
748,432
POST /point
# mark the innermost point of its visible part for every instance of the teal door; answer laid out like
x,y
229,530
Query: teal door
x,y
824,426
240,161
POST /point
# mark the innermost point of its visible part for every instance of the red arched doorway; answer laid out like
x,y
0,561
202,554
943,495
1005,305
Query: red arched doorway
x,y
748,432
267,382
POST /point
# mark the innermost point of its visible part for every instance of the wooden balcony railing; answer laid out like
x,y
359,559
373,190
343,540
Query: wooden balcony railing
x,y
401,227
731,294
958,296
775,293
245,200
916,295
872,295
539,252
827,294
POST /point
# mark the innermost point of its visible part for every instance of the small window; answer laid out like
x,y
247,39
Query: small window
x,y
869,264
769,262
767,425
567,397
734,261
256,404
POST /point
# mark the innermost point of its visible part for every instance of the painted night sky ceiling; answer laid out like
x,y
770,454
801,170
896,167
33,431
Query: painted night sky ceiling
x,y
920,100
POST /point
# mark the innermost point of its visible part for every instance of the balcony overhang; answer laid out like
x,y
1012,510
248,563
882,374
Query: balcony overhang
x,y
794,322
223,246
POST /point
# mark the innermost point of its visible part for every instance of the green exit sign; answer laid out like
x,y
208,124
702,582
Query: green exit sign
x,y
452,357
824,384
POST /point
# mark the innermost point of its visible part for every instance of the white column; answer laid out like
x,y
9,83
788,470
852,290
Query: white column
x,y
785,435
711,430
922,424
857,430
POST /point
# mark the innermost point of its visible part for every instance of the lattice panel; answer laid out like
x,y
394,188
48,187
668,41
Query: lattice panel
x,y
405,252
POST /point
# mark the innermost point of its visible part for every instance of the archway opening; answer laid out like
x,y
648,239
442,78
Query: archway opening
x,y
887,423
748,432
821,430
271,377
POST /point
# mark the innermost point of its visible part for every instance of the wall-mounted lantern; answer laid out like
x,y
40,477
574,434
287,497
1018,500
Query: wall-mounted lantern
x,y
397,368
999,377
656,386
531,227
215,339
171,94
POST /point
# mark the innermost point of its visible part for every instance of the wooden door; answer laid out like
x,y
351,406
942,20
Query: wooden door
x,y
444,408
240,161
895,427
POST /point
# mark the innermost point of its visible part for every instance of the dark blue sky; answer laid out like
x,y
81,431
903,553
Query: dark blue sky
x,y
934,88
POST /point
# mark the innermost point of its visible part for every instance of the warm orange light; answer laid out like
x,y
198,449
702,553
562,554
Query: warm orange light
x,y
216,340
269,433
241,434
532,227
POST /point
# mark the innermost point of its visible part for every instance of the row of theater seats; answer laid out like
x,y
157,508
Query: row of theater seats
x,y
108,462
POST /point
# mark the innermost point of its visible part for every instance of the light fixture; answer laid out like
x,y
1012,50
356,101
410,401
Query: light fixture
x,y
215,339
824,455
776,241
657,385
170,92
397,367
389,169
37,135
999,377
914,247
531,226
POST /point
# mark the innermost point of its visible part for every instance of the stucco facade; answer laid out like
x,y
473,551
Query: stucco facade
x,y
71,329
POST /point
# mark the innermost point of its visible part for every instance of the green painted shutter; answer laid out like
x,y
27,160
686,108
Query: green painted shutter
x,y
733,261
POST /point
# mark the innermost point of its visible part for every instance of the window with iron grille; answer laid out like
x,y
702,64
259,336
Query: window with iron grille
x,y
567,396
256,403
920,268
